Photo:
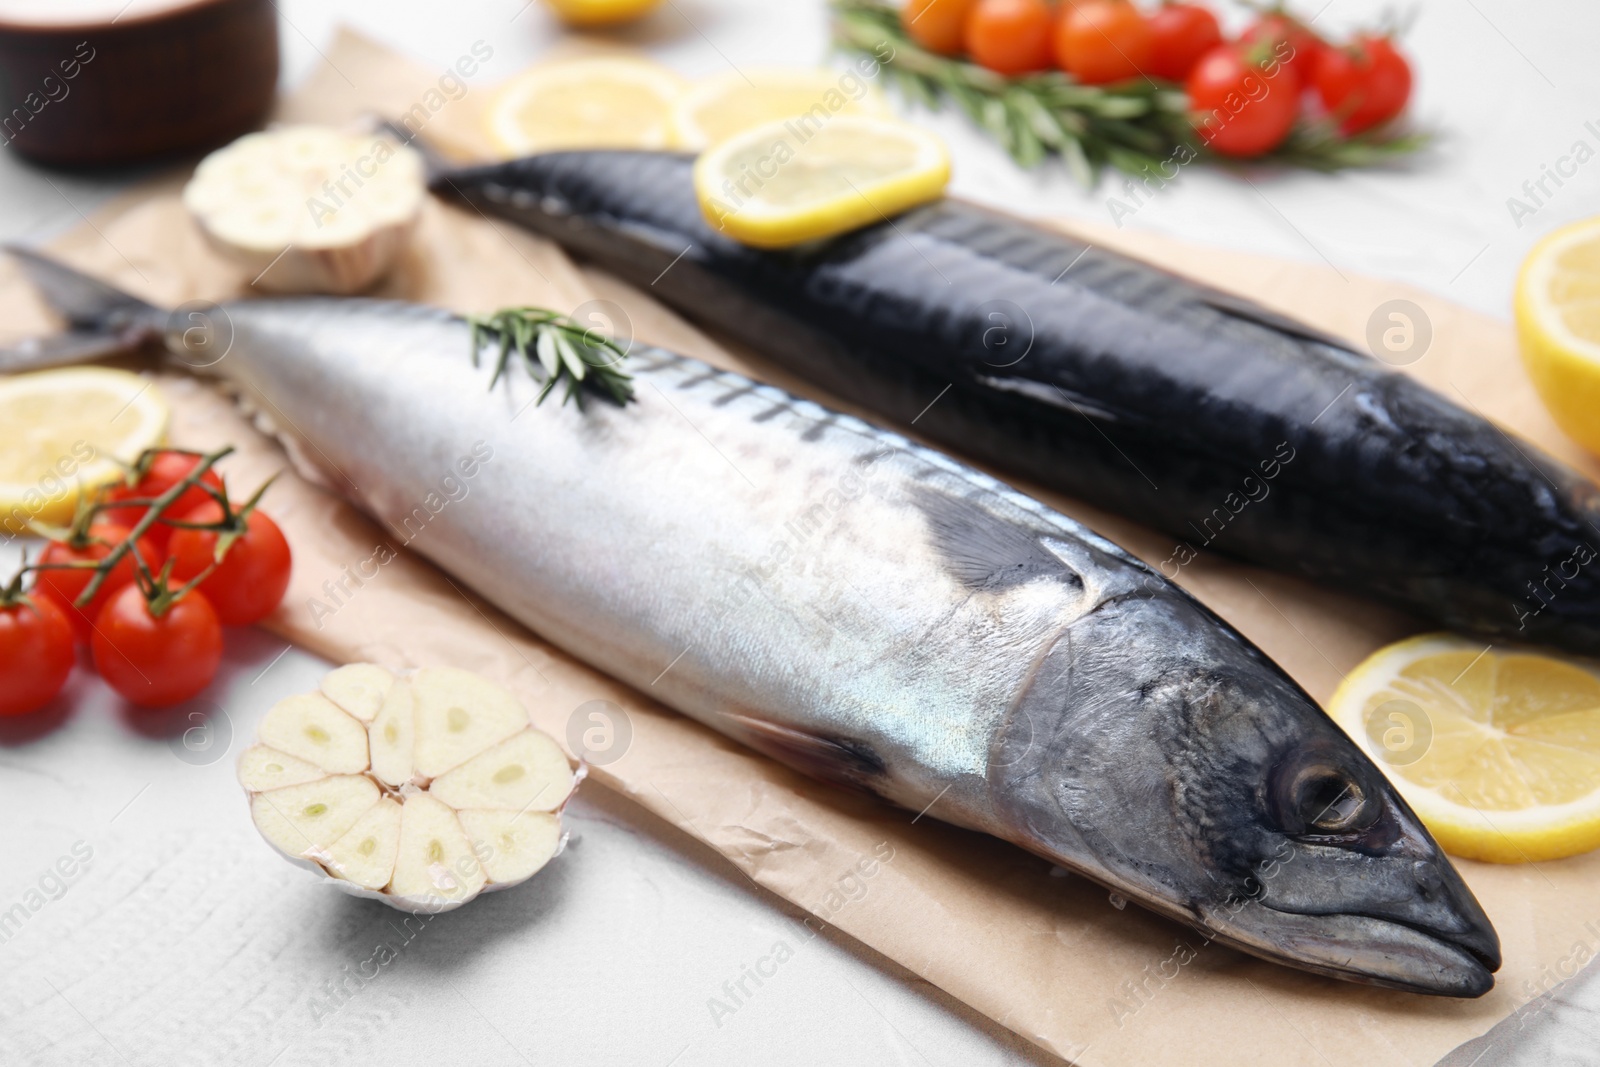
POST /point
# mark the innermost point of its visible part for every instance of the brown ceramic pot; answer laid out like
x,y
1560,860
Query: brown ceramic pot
x,y
81,85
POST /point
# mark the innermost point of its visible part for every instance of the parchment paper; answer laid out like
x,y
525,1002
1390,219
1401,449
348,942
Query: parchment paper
x,y
1050,957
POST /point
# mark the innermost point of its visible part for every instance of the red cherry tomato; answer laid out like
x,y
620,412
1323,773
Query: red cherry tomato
x,y
1241,110
937,25
1010,36
64,586
1180,35
35,655
1291,42
1363,84
252,578
155,662
166,471
1104,41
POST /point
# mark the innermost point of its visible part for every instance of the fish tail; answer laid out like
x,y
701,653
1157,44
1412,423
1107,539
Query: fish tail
x,y
434,164
101,320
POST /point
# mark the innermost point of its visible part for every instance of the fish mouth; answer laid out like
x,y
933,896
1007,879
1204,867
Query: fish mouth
x,y
1383,952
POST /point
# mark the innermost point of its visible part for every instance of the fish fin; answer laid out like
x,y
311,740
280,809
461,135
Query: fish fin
x,y
1247,311
985,552
1077,555
101,320
300,460
59,350
1054,394
835,760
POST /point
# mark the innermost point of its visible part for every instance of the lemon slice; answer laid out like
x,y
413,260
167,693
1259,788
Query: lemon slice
x,y
65,431
1496,748
601,12
1558,322
801,179
731,103
585,103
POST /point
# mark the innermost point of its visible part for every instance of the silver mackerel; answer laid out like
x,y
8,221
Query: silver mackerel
x,y
867,611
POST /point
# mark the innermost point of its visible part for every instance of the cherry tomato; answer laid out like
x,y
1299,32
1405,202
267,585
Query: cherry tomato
x,y
1363,84
1241,110
252,577
1106,41
1293,43
155,662
937,25
1180,35
64,586
166,471
35,655
1010,36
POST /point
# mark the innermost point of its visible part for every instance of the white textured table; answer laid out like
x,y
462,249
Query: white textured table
x,y
184,940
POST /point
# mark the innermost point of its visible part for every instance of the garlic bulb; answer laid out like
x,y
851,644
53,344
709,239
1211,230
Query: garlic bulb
x,y
305,209
419,792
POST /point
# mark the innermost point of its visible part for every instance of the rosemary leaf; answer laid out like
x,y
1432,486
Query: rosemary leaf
x,y
1121,107
997,121
569,357
1039,120
1077,161
545,347
1317,147
504,359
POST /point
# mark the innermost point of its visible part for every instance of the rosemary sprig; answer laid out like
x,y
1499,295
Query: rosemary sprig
x,y
1320,146
1135,126
1132,127
553,346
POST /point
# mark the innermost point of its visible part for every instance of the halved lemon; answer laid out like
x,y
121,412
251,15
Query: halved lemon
x,y
801,179
1558,323
65,432
731,103
1497,748
608,102
601,12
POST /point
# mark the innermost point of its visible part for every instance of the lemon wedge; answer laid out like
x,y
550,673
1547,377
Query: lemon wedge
x,y
731,103
800,179
608,102
65,432
1558,323
1497,749
601,12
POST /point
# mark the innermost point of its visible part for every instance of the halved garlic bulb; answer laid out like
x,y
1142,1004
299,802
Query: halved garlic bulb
x,y
421,792
305,209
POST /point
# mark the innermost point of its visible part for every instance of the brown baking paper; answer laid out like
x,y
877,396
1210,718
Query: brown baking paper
x,y
1053,958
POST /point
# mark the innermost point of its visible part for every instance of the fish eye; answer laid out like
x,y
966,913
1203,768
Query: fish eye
x,y
1314,796
1331,803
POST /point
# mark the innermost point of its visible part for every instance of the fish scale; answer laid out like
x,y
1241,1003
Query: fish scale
x,y
867,611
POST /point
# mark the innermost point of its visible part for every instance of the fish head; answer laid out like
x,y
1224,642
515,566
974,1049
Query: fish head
x,y
1185,769
1330,867
595,201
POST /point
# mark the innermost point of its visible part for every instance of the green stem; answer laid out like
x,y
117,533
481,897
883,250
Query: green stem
x,y
150,518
